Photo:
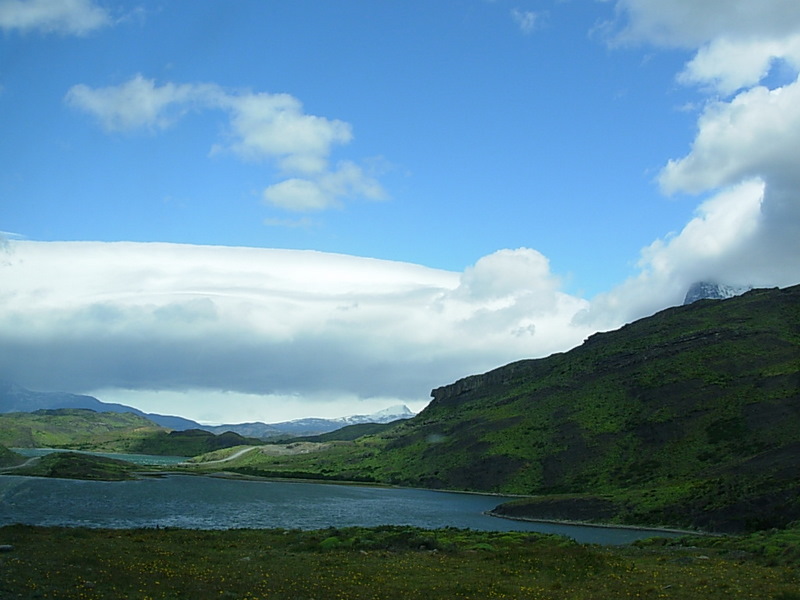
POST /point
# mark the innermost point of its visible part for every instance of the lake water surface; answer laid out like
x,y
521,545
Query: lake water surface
x,y
215,503
137,459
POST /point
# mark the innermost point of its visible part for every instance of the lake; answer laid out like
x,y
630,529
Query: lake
x,y
137,459
196,502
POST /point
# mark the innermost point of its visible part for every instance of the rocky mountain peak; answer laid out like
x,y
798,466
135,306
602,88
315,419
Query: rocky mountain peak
x,y
709,290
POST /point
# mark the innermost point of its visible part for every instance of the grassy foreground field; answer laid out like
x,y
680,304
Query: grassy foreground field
x,y
386,562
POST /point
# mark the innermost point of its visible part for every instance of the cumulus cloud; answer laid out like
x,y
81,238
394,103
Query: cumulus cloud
x,y
691,24
347,181
744,160
727,65
262,127
273,324
274,125
723,242
76,17
137,103
757,133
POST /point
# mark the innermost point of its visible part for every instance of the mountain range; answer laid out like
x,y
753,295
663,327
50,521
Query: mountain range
x,y
311,425
15,398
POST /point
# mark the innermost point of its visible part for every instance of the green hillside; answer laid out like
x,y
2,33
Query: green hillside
x,y
74,428
9,458
191,442
690,417
75,465
85,429
348,432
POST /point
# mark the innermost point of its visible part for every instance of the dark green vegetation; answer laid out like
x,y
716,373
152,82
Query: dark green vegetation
x,y
189,443
687,418
384,562
85,429
348,433
74,465
9,458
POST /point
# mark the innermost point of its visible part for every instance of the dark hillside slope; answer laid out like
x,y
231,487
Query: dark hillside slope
x,y
191,442
687,414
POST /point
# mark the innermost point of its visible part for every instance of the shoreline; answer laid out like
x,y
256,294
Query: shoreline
x,y
489,513
195,472
155,474
655,529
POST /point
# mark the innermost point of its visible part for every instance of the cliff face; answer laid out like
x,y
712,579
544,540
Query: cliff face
x,y
681,405
450,394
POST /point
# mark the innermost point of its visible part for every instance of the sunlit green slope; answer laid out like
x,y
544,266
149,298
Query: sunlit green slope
x,y
73,428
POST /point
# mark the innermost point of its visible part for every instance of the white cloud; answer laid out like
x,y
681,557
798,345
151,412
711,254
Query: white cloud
x,y
76,17
737,41
691,24
275,126
85,316
324,192
299,195
137,103
262,126
756,134
507,273
527,20
728,65
724,242
745,156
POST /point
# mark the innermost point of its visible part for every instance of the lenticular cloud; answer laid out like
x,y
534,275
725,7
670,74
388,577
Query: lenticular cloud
x,y
83,316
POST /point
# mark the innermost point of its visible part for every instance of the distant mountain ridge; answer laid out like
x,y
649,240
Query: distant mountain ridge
x,y
312,425
15,398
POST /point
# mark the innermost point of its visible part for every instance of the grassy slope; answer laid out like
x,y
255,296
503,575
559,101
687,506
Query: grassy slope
x,y
189,443
690,417
384,562
79,429
84,429
9,458
349,432
74,465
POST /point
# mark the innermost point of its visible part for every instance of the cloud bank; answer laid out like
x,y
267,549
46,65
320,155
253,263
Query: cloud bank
x,y
262,127
268,324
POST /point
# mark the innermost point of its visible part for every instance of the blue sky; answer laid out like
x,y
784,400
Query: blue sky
x,y
482,135
595,156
